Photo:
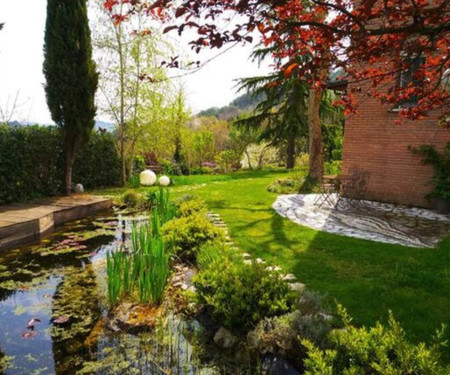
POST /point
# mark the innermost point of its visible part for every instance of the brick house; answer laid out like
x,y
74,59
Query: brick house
x,y
375,144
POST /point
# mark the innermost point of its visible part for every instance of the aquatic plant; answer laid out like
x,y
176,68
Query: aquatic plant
x,y
145,269
159,200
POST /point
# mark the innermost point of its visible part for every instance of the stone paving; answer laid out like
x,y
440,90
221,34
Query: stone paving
x,y
382,222
27,222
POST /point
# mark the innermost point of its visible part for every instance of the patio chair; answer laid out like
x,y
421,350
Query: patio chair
x,y
354,189
328,192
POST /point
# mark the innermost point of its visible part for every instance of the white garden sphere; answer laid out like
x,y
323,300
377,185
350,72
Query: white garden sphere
x,y
147,178
164,181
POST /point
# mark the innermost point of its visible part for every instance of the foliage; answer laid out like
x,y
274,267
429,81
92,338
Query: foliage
x,y
159,201
192,207
97,163
32,162
334,167
130,198
441,165
388,37
71,76
146,268
227,160
286,186
185,235
378,350
241,295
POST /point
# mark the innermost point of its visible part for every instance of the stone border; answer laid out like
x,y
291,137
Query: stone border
x,y
21,224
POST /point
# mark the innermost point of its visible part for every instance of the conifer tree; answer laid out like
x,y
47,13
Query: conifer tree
x,y
71,77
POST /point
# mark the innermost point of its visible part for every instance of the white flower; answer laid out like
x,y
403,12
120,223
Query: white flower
x,y
147,178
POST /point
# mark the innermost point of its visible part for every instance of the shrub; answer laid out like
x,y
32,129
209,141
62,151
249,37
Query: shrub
x,y
185,235
280,335
131,198
32,162
380,350
170,168
302,160
285,186
201,170
192,207
334,167
241,295
216,251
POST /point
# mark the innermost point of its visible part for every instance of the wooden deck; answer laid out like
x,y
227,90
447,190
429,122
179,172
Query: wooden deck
x,y
28,222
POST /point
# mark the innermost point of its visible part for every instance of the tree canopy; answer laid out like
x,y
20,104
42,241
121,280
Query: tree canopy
x,y
373,41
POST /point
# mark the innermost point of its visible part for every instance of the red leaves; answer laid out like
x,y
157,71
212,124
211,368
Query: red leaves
x,y
288,71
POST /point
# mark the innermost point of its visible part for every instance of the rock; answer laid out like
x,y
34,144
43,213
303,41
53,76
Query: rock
x,y
271,268
246,255
289,277
273,365
224,338
298,287
79,188
260,261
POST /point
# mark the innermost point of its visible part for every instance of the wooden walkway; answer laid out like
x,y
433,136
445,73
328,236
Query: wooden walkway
x,y
28,222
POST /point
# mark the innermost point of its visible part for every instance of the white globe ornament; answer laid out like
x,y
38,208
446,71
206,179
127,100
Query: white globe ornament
x,y
147,178
164,181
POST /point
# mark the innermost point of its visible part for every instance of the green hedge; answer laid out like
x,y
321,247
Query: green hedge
x,y
32,162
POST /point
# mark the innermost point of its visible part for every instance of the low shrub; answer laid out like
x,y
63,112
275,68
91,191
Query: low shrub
x,y
380,350
170,168
202,170
130,198
192,207
185,235
285,186
241,295
280,335
216,251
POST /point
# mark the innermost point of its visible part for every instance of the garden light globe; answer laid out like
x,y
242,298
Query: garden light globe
x,y
147,178
164,181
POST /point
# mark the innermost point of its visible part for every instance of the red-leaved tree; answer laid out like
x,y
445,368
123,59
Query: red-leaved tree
x,y
371,40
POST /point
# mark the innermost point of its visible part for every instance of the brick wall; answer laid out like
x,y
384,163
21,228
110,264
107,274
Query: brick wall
x,y
372,142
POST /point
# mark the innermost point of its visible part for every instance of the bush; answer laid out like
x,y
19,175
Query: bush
x,y
241,295
185,235
201,170
170,168
280,335
131,198
192,207
216,251
285,186
379,350
333,168
32,162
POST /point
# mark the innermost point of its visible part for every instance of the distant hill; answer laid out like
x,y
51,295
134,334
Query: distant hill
x,y
241,104
109,127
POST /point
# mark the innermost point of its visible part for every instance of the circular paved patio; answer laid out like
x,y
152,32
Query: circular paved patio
x,y
382,222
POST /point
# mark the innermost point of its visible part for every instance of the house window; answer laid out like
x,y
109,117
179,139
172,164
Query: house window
x,y
407,79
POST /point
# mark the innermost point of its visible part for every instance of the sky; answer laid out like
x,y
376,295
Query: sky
x,y
21,58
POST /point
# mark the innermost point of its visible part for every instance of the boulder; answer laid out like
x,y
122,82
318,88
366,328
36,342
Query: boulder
x,y
224,338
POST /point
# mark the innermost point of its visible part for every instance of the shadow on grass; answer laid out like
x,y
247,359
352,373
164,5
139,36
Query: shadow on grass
x,y
370,279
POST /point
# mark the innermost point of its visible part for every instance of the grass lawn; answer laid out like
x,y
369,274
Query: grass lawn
x,y
368,278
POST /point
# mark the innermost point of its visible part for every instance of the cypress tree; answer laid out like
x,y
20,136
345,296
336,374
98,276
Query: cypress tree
x,y
71,76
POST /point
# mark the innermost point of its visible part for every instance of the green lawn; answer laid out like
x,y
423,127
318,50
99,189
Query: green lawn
x,y
368,278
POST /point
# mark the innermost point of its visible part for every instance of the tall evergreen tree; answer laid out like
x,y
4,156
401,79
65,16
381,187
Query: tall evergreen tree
x,y
71,75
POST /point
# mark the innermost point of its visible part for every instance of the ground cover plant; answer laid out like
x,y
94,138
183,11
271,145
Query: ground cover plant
x,y
368,278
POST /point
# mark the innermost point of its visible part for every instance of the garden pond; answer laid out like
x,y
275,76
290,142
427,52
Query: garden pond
x,y
53,310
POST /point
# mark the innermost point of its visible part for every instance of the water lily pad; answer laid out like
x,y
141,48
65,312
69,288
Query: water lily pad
x,y
61,319
29,334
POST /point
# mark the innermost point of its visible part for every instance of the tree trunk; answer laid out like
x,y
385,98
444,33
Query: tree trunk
x,y
315,136
71,150
122,156
290,153
249,160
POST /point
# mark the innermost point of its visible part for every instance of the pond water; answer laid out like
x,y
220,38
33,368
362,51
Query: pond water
x,y
60,283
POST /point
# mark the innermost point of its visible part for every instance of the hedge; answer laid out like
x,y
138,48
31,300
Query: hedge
x,y
32,162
